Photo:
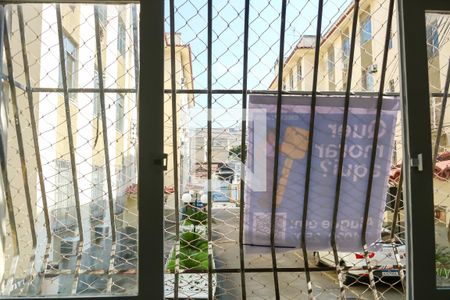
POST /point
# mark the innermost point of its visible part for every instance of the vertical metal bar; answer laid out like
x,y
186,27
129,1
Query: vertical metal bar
x,y
23,161
37,151
398,198
441,117
209,148
374,148
243,148
6,187
310,146
277,149
71,147
134,17
3,141
106,149
342,149
173,85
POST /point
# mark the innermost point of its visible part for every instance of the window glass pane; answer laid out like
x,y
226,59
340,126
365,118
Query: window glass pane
x,y
437,37
235,208
71,230
331,69
121,37
366,30
120,112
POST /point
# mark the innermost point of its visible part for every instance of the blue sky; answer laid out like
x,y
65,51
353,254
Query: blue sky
x,y
227,46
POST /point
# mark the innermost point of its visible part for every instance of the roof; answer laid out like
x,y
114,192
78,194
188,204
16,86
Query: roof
x,y
308,41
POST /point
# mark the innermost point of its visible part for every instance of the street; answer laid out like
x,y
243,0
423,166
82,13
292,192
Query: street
x,y
292,285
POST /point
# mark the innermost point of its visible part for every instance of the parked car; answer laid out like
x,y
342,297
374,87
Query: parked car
x,y
382,260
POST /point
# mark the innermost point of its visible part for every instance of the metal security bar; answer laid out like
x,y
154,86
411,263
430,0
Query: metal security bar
x,y
222,54
70,81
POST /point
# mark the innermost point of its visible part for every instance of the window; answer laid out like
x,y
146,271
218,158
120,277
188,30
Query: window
x,y
392,85
345,58
366,30
367,80
60,214
432,38
121,37
64,189
98,178
219,143
345,49
291,80
299,71
96,104
120,112
103,15
71,58
102,19
330,67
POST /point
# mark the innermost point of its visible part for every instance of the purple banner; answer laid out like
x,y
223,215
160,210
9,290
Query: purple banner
x,y
294,137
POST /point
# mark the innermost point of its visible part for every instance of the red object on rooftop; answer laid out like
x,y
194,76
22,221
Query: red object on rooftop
x,y
169,190
441,169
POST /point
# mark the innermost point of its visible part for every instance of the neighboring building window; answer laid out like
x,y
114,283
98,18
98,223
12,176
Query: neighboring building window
x,y
219,143
98,178
291,79
367,81
102,15
331,69
432,39
121,37
71,58
64,184
299,71
122,179
97,106
366,30
345,58
102,19
119,112
345,49
392,85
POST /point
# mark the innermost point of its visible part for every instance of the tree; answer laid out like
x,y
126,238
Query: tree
x,y
235,152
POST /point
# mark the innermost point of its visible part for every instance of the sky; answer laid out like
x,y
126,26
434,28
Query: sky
x,y
227,45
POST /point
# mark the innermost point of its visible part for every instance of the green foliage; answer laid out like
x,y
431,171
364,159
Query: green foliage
x,y
235,151
442,261
195,216
193,253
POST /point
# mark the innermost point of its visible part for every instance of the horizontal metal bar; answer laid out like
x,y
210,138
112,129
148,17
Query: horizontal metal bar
x,y
70,1
54,273
299,93
275,92
270,270
132,271
71,90
80,90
